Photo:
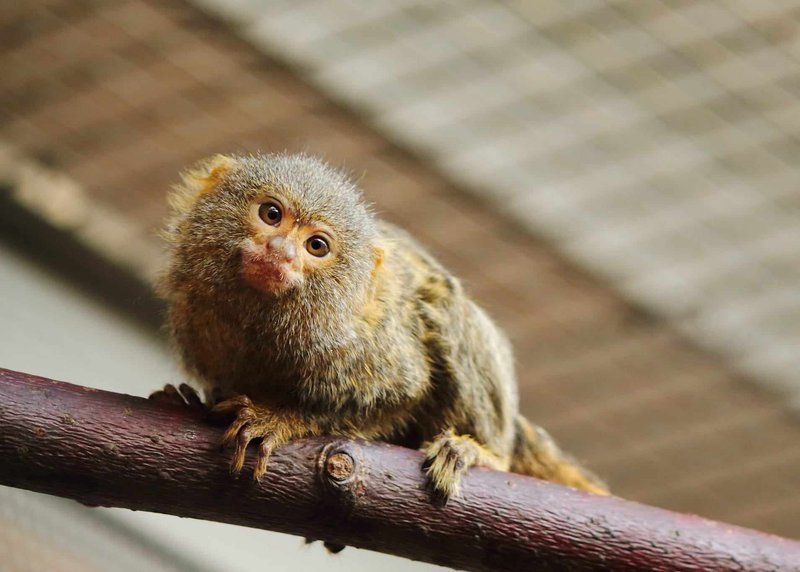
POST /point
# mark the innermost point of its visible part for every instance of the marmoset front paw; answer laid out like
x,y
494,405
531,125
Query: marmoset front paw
x,y
254,422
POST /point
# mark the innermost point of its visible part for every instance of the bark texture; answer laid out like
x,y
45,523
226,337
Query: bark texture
x,y
107,449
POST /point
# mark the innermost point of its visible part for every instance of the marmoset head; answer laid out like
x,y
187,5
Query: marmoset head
x,y
282,225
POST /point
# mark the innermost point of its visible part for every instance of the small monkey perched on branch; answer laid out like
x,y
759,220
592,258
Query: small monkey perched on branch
x,y
301,314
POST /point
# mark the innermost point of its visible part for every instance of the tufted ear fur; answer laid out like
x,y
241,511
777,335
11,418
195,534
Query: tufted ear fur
x,y
202,178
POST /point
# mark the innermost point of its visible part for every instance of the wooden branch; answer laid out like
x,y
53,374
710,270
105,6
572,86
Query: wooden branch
x,y
107,449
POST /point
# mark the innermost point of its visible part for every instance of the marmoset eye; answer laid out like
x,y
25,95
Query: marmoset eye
x,y
317,246
270,213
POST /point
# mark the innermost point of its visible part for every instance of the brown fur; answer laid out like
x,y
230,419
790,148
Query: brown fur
x,y
376,341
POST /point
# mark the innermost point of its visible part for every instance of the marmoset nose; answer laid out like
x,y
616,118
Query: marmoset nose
x,y
286,247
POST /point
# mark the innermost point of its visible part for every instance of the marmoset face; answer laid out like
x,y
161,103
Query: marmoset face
x,y
279,224
283,247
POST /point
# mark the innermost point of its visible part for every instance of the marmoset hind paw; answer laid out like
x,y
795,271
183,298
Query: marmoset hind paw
x,y
447,459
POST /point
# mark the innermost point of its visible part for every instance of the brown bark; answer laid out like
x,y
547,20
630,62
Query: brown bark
x,y
108,449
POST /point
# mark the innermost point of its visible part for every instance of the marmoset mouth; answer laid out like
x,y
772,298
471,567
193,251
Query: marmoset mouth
x,y
269,276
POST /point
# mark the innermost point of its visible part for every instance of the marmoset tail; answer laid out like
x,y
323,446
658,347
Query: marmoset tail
x,y
305,315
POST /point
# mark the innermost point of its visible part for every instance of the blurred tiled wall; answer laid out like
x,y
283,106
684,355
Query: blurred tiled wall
x,y
120,95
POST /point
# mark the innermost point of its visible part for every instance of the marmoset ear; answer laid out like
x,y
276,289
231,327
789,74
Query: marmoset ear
x,y
200,179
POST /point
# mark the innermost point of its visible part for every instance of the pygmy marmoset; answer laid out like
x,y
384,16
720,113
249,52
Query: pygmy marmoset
x,y
306,315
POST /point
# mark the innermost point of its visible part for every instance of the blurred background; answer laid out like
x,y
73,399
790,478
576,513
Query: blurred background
x,y
616,182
